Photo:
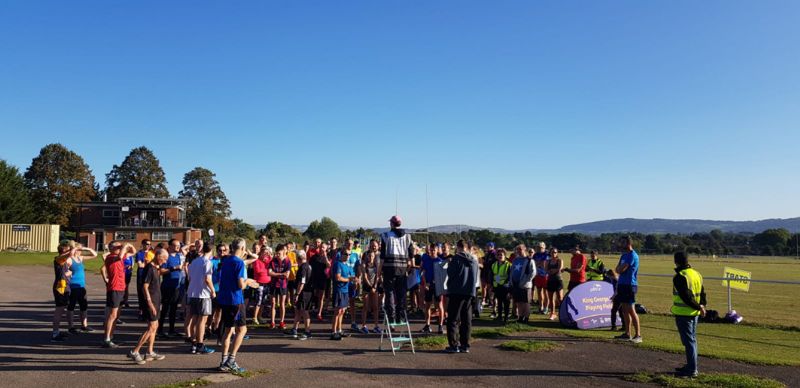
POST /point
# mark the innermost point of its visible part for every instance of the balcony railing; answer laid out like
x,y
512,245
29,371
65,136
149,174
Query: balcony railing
x,y
153,223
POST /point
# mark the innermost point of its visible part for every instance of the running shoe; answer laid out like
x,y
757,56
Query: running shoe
x,y
364,330
58,338
223,366
205,350
282,325
451,349
110,345
272,325
441,330
293,333
623,337
256,322
73,330
247,337
194,349
309,335
377,330
426,329
154,357
637,339
233,367
120,322
354,327
302,336
463,350
137,358
87,329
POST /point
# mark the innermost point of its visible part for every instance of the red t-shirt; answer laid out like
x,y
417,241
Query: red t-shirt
x,y
116,273
580,277
261,270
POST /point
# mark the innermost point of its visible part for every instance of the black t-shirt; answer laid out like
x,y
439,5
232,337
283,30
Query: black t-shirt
x,y
304,278
153,280
318,267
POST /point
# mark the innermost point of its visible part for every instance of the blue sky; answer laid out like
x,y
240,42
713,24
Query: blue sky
x,y
516,114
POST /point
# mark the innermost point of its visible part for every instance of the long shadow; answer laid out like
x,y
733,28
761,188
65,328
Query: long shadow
x,y
467,372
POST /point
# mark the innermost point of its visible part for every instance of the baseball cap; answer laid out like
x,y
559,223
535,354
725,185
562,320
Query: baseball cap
x,y
490,244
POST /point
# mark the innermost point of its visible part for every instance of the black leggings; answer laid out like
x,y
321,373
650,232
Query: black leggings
x,y
503,302
77,296
614,313
395,297
169,307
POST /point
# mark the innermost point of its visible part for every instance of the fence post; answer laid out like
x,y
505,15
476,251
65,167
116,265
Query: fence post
x,y
730,305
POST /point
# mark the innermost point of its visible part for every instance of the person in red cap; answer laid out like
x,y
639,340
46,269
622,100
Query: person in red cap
x,y
396,250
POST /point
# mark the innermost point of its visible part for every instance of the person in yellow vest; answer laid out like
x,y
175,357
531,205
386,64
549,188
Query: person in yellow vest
x,y
688,303
292,256
595,268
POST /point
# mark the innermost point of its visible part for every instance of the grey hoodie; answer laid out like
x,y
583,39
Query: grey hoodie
x,y
462,274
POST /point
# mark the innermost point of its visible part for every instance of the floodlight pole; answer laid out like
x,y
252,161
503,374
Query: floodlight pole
x,y
730,305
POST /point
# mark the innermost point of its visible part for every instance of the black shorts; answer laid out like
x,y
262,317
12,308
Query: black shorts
x,y
61,299
319,283
78,296
305,301
430,293
148,316
626,293
114,298
291,285
232,316
555,283
277,291
170,295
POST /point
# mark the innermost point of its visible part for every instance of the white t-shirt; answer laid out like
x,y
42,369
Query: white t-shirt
x,y
198,270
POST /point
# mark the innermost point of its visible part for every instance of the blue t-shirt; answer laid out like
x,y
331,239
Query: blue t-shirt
x,y
215,273
174,278
344,271
428,265
78,275
540,258
128,265
629,276
231,269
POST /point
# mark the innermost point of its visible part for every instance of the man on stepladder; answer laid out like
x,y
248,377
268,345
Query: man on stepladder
x,y
396,250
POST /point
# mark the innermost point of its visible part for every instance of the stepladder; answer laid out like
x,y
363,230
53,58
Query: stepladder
x,y
396,334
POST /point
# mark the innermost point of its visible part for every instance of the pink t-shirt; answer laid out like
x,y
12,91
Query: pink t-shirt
x,y
261,270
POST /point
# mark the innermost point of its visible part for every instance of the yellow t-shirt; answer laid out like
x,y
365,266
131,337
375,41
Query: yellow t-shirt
x,y
293,271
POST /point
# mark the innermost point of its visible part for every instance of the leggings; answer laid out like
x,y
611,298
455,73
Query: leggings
x,y
503,302
169,307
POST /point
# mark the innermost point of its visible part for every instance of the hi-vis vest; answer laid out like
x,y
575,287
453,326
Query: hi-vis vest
x,y
695,282
596,266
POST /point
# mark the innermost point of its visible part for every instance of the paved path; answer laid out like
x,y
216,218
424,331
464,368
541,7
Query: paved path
x,y
28,359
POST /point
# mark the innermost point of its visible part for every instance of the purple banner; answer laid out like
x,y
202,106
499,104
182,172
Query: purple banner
x,y
588,306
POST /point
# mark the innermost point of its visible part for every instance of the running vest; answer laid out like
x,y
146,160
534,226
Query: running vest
x,y
78,279
695,282
596,267
501,272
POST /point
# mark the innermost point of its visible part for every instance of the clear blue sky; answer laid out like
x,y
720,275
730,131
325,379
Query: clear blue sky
x,y
516,114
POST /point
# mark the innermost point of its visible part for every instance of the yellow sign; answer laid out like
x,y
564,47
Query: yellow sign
x,y
742,277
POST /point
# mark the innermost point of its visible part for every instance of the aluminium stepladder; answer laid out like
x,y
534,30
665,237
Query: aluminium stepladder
x,y
396,342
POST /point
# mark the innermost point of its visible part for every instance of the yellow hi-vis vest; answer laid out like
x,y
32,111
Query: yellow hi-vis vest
x,y
695,281
596,267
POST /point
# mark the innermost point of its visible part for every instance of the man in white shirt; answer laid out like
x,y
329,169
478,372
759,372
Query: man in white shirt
x,y
201,291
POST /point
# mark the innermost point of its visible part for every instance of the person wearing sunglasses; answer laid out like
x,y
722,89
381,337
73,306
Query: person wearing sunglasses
x,y
114,277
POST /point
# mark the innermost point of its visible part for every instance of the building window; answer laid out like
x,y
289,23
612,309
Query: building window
x,y
161,236
110,213
125,235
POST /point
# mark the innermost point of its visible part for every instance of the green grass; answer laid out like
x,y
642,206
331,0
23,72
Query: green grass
x,y
248,374
183,384
706,380
39,258
529,346
750,344
431,342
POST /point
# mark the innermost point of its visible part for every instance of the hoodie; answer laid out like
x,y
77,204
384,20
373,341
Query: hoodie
x,y
462,274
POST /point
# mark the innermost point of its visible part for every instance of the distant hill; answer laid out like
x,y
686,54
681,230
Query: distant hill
x,y
660,225
646,226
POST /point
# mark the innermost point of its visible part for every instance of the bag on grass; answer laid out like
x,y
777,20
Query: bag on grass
x,y
712,316
640,309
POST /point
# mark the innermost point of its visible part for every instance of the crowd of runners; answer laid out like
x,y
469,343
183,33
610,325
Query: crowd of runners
x,y
217,291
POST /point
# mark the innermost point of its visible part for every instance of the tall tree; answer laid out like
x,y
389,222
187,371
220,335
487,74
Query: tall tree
x,y
15,202
208,207
325,228
140,175
280,231
57,179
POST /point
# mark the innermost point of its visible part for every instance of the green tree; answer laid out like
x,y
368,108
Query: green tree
x,y
57,179
15,202
207,206
325,229
140,175
280,231
772,241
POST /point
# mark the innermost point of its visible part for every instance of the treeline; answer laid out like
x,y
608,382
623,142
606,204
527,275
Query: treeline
x,y
771,242
58,178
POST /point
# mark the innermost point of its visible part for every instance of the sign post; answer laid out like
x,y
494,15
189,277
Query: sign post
x,y
211,236
738,279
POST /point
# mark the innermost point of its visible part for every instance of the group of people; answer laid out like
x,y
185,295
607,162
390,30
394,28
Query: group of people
x,y
214,286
